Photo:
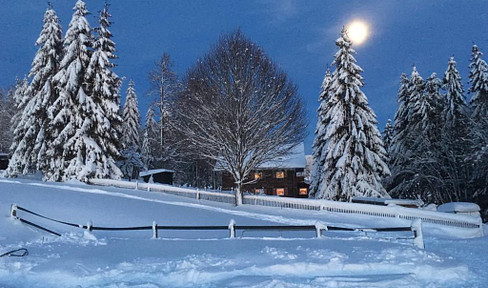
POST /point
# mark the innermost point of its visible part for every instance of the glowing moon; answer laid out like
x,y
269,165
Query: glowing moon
x,y
358,32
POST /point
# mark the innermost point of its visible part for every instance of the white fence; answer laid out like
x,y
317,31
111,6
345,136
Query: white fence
x,y
433,217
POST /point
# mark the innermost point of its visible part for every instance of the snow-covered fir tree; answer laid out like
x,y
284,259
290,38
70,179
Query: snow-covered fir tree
x,y
30,149
21,98
7,111
103,85
478,78
150,139
131,162
354,152
403,146
388,135
76,116
131,118
319,141
455,135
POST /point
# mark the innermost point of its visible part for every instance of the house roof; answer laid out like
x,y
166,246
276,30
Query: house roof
x,y
294,159
154,171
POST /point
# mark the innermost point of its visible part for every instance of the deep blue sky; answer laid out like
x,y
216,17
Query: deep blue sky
x,y
298,35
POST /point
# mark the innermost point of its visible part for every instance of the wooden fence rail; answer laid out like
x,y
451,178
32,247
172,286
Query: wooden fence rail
x,y
318,228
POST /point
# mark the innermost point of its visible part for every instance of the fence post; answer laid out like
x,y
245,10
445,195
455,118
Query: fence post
x,y
137,185
417,233
198,194
89,226
232,229
155,230
319,226
13,211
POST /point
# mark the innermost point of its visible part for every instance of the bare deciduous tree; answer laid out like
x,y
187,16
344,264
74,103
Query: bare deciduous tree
x,y
240,109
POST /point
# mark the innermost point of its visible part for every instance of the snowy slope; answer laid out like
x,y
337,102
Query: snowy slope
x,y
211,259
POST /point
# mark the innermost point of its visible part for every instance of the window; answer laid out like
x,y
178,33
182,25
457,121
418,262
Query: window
x,y
303,191
258,175
280,191
300,174
280,174
259,191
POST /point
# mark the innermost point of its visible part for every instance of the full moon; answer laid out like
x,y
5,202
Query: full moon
x,y
358,32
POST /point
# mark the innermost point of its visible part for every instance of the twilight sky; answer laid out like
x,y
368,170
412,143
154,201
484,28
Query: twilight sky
x,y
298,35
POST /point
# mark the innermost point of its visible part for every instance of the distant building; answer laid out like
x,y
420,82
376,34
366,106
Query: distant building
x,y
284,176
163,176
3,161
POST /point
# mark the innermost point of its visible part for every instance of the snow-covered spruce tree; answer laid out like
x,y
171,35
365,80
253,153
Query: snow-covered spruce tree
x,y
131,118
21,98
402,183
150,139
30,151
354,153
76,116
103,86
7,111
478,78
319,141
131,162
455,136
388,135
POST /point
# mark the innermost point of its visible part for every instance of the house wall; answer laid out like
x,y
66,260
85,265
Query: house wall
x,y
268,183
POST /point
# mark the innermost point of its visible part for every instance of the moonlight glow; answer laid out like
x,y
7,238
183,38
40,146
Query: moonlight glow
x,y
358,32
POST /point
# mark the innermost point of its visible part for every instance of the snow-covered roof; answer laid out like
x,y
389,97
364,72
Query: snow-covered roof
x,y
458,207
387,201
294,159
154,171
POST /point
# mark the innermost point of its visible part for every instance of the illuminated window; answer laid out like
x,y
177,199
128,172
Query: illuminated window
x,y
258,191
258,175
280,174
280,191
302,191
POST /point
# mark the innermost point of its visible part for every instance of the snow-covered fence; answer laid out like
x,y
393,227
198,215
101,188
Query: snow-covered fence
x,y
432,217
318,228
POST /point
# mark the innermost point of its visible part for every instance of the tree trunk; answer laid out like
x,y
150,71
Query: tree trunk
x,y
238,194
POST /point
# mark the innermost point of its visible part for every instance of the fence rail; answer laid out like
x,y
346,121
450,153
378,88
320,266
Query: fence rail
x,y
438,218
318,228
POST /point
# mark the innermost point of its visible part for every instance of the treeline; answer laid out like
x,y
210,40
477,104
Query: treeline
x,y
438,144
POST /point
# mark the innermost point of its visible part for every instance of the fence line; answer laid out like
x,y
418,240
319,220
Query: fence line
x,y
318,228
432,217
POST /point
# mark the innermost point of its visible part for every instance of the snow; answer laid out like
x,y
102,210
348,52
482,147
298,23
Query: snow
x,y
458,207
211,259
154,171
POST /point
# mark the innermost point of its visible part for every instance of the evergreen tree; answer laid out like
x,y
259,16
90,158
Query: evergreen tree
x,y
131,119
403,149
131,162
7,111
455,136
21,98
104,89
478,77
150,139
355,155
319,142
31,143
388,135
76,115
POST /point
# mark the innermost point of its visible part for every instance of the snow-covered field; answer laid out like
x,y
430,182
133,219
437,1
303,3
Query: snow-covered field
x,y
211,259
